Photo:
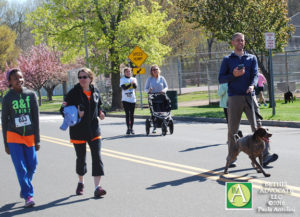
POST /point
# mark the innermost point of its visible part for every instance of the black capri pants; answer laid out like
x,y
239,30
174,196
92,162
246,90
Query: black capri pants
x,y
97,165
129,111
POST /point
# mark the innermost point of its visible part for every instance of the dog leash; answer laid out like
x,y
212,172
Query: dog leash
x,y
253,109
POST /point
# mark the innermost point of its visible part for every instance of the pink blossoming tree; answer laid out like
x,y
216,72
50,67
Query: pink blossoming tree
x,y
39,65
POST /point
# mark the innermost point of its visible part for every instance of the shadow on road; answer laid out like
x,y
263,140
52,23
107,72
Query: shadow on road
x,y
200,147
9,209
130,136
202,177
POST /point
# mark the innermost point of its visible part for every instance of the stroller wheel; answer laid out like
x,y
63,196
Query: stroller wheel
x,y
164,128
148,125
171,126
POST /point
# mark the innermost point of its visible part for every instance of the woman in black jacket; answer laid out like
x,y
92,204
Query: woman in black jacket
x,y
87,98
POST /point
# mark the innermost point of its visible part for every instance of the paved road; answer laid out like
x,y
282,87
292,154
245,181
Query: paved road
x,y
177,175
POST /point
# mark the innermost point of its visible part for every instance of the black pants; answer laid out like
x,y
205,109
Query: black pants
x,y
97,165
129,111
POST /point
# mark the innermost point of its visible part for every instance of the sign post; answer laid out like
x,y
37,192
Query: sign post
x,y
138,57
270,44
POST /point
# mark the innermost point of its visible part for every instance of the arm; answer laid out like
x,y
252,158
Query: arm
x,y
125,86
101,113
35,119
225,75
147,85
4,120
165,85
254,72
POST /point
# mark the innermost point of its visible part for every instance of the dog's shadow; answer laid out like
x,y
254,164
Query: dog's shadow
x,y
209,175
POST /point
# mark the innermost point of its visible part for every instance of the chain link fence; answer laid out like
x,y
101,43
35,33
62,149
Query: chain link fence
x,y
199,73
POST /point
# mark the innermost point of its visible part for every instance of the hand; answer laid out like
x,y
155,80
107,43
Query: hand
x,y
150,90
250,89
37,147
101,115
80,113
238,73
7,150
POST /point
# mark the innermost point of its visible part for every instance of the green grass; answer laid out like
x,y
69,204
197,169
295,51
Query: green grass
x,y
283,112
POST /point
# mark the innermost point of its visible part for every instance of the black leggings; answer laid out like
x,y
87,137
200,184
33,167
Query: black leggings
x,y
129,111
97,165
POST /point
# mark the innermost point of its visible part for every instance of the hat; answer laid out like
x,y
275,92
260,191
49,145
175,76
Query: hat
x,y
10,71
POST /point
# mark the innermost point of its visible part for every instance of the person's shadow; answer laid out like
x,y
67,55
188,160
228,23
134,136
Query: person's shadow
x,y
10,210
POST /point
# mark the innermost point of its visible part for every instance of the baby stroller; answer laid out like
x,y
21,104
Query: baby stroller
x,y
160,109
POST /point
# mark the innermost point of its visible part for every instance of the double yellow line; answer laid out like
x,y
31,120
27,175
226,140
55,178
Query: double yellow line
x,y
190,170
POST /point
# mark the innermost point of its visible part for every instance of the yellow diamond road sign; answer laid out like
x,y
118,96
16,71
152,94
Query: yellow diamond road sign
x,y
137,71
138,56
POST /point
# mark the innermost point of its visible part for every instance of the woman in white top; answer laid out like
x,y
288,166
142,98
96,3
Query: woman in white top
x,y
128,85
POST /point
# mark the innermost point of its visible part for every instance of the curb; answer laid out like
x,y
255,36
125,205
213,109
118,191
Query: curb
x,y
290,124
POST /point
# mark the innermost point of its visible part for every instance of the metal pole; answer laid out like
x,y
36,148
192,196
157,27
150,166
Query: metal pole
x,y
286,68
141,96
208,83
272,82
179,74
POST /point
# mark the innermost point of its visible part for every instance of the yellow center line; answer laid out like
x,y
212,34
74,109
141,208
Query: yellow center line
x,y
212,175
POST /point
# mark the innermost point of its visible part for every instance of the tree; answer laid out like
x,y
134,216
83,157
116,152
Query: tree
x,y
110,29
253,18
8,50
39,65
13,15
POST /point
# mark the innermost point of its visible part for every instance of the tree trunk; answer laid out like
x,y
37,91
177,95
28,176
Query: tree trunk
x,y
65,89
116,91
49,92
40,97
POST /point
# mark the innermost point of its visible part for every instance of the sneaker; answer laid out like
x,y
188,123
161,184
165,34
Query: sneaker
x,y
128,131
232,165
99,192
269,159
29,202
265,104
79,190
132,132
154,130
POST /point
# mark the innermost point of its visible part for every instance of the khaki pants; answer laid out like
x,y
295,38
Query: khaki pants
x,y
236,106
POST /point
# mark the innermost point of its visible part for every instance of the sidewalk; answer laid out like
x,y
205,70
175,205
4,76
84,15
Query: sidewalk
x,y
289,124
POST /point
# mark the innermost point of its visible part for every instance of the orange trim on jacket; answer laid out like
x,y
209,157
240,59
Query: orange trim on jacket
x,y
13,137
83,141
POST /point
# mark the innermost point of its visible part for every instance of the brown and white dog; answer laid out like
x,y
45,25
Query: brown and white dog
x,y
253,146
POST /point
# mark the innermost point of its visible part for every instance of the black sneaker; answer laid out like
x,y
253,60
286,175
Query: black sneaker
x,y
132,132
79,190
269,159
128,132
232,165
99,192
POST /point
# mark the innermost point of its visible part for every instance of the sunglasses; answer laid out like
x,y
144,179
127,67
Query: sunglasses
x,y
83,77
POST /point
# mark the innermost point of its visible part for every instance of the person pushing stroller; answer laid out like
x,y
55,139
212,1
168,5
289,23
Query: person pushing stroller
x,y
157,85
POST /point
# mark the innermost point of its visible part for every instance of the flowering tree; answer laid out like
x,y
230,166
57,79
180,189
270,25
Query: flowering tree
x,y
39,65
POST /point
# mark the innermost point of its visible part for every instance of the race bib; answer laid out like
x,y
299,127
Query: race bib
x,y
128,94
22,121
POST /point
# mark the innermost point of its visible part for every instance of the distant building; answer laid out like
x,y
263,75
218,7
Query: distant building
x,y
294,41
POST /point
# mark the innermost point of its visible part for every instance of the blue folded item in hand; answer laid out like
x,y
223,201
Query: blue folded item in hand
x,y
70,117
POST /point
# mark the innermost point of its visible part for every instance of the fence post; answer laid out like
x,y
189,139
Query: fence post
x,y
179,74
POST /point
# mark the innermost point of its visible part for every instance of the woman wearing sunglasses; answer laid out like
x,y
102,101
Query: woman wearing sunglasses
x,y
87,99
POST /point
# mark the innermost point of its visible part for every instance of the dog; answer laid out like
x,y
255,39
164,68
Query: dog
x,y
253,146
288,97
